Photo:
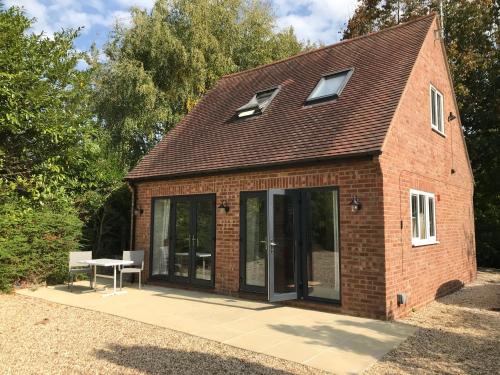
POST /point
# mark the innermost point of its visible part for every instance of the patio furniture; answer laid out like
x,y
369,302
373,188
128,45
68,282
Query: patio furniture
x,y
108,263
137,257
76,267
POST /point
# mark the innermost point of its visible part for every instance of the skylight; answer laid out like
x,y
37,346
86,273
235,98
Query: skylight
x,y
258,103
330,86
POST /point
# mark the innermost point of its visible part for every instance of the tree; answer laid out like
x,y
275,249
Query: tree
x,y
472,37
46,129
48,145
160,66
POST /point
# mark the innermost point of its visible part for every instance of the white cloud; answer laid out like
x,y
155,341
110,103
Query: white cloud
x,y
148,4
123,17
54,15
315,20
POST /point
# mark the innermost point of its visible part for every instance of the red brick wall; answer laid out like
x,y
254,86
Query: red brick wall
x,y
377,258
361,233
416,157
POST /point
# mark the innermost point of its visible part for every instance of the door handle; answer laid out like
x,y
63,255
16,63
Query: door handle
x,y
272,243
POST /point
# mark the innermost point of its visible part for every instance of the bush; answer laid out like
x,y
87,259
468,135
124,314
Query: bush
x,y
35,242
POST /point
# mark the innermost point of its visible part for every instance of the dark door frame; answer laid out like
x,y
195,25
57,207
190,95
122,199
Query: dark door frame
x,y
244,195
190,279
306,242
302,207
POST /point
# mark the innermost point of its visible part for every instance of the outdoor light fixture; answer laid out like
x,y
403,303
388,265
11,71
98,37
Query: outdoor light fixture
x,y
138,211
355,204
451,117
223,207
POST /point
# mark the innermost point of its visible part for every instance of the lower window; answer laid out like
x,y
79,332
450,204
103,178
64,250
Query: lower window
x,y
423,218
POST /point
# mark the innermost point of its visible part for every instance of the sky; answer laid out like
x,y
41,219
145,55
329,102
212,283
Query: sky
x,y
313,20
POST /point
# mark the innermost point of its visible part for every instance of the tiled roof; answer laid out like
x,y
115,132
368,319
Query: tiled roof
x,y
211,139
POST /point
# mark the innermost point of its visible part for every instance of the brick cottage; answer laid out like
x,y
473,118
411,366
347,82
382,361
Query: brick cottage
x,y
336,179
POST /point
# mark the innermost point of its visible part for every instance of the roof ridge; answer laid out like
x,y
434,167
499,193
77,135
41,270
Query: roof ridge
x,y
345,41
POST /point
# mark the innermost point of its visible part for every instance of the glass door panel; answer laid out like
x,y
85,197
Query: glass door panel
x,y
161,243
182,238
322,253
255,241
203,239
281,246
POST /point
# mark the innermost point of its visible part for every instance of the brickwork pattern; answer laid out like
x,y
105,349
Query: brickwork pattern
x,y
362,247
416,157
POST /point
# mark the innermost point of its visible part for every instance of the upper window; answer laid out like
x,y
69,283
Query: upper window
x,y
330,86
258,103
423,218
437,117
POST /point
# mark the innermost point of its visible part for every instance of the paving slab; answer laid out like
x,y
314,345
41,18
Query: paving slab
x,y
333,342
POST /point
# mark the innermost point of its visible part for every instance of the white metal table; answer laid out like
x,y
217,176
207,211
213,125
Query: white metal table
x,y
107,263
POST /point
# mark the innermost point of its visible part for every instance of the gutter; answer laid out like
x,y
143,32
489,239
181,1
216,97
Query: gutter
x,y
259,167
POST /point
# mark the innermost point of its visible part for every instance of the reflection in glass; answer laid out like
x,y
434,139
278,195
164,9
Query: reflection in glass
x,y
284,270
432,226
323,252
255,241
414,216
160,237
182,239
422,215
203,240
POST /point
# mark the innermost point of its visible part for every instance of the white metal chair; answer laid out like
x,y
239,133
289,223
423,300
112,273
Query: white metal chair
x,y
76,267
137,257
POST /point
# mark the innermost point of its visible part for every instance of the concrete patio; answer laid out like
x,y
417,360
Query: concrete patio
x,y
337,343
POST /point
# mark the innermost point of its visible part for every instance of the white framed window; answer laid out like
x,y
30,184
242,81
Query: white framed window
x,y
423,218
437,112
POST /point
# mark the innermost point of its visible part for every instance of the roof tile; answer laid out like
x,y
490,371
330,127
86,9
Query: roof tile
x,y
210,138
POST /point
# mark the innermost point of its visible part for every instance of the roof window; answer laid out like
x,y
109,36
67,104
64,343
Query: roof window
x,y
330,86
258,103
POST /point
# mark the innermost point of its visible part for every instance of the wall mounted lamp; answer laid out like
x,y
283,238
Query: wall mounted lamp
x,y
355,204
451,117
138,211
223,207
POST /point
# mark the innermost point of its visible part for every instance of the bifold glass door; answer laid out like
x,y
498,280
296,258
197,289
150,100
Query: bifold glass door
x,y
321,244
253,235
281,245
290,243
183,244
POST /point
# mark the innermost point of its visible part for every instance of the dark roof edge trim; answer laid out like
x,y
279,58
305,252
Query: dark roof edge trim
x,y
338,159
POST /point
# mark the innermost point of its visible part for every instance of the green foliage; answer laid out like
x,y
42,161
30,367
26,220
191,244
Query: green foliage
x,y
35,241
156,71
472,37
49,152
158,68
46,132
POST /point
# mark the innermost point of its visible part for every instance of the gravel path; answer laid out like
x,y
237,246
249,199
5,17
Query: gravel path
x,y
458,335
40,337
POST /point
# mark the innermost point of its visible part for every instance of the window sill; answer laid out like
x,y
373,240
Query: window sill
x,y
420,244
435,130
